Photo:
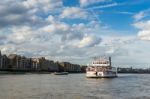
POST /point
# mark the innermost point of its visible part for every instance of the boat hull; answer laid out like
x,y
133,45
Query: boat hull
x,y
61,73
101,75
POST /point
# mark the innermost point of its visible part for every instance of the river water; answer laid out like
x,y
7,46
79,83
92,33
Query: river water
x,y
74,86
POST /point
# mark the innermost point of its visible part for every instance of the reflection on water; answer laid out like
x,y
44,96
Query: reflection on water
x,y
74,86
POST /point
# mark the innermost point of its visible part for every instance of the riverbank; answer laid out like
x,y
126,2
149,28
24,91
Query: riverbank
x,y
13,72
42,72
31,72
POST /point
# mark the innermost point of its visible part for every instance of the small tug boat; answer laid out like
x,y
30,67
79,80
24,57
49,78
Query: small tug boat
x,y
101,68
60,73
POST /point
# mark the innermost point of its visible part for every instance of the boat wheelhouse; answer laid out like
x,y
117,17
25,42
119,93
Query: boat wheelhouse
x,y
101,68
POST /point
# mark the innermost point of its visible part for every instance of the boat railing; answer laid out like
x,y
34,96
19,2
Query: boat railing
x,y
100,64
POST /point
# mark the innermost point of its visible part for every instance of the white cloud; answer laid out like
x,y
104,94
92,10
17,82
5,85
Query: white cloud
x,y
7,49
73,13
39,28
71,32
90,2
105,6
56,28
53,39
142,25
144,35
50,19
141,14
88,41
126,13
144,32
22,34
26,12
44,5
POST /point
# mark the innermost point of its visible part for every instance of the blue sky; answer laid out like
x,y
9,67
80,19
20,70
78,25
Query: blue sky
x,y
76,30
120,15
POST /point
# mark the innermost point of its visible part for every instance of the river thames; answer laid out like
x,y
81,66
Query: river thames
x,y
74,86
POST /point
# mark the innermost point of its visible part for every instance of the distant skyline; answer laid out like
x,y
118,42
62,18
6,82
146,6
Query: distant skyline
x,y
77,30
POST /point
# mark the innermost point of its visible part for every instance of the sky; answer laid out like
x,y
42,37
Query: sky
x,y
77,30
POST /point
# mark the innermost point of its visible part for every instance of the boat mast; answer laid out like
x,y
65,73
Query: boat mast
x,y
110,61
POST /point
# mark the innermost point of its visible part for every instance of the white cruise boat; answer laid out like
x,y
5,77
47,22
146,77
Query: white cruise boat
x,y
101,68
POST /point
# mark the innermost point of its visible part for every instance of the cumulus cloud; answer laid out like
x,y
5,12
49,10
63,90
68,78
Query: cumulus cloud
x,y
24,12
144,30
39,28
144,35
90,2
50,19
15,14
21,35
56,28
73,13
88,41
142,14
54,38
139,16
44,5
2,39
69,32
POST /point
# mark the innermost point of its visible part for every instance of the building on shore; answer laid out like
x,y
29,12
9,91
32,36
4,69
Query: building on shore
x,y
3,61
53,66
47,65
35,64
42,64
76,68
68,67
18,62
83,68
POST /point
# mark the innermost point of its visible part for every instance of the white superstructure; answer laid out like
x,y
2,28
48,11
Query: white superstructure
x,y
100,68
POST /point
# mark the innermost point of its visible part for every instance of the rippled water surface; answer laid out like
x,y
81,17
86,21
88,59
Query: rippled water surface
x,y
74,86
